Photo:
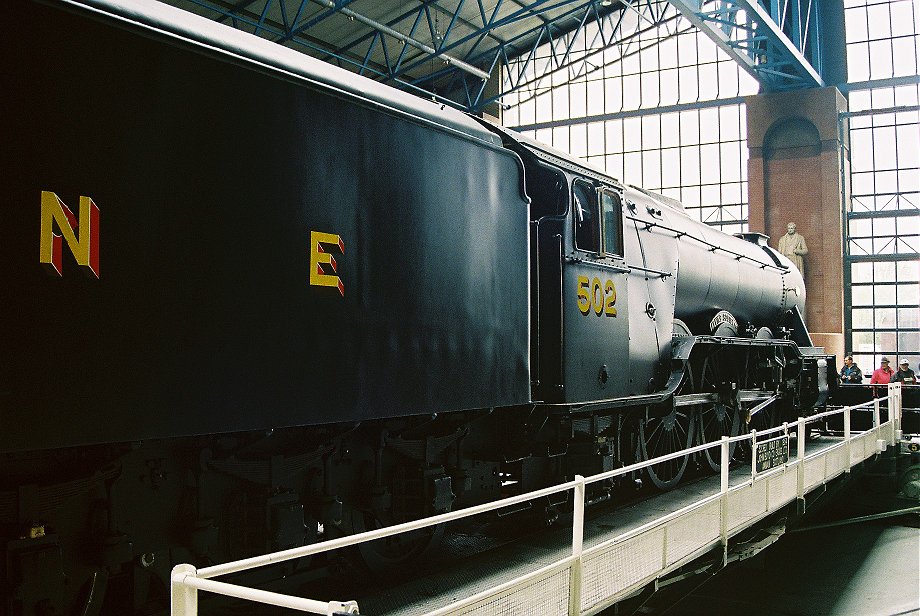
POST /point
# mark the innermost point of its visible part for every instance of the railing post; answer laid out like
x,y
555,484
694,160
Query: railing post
x,y
894,409
846,438
753,455
800,471
578,537
880,443
788,446
723,469
184,598
664,547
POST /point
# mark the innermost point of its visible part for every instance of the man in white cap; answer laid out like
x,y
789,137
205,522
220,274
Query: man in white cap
x,y
904,374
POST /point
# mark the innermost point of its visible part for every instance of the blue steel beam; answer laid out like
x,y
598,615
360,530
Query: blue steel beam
x,y
415,14
526,43
252,15
250,21
776,41
479,45
373,53
535,9
517,57
406,40
487,28
296,28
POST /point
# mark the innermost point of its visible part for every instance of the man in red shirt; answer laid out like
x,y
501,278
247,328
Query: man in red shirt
x,y
881,376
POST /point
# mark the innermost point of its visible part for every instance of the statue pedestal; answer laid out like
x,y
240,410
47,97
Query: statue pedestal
x,y
834,344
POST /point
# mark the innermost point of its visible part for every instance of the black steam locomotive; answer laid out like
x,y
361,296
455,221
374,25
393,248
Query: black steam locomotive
x,y
252,301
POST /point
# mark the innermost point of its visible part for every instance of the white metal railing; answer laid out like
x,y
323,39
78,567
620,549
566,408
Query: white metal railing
x,y
589,580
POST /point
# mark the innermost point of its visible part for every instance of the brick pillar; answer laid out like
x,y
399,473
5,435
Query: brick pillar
x,y
795,175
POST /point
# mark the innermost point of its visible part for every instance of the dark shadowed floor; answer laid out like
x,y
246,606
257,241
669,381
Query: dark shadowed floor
x,y
858,569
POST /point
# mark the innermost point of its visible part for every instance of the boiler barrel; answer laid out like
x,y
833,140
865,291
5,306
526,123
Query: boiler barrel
x,y
717,271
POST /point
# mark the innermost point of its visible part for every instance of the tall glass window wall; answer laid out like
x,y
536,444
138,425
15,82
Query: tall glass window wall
x,y
661,110
883,217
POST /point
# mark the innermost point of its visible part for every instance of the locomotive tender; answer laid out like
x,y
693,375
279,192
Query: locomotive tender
x,y
252,300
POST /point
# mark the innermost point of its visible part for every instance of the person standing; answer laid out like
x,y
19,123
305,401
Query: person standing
x,y
793,247
881,376
850,373
904,374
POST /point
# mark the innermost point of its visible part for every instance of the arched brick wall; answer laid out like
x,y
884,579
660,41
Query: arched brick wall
x,y
795,175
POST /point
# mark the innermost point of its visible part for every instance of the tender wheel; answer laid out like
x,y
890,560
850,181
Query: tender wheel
x,y
391,553
406,494
659,436
717,420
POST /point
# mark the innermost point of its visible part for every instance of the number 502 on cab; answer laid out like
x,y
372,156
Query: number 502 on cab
x,y
597,296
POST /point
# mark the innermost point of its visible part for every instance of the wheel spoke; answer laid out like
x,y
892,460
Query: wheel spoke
x,y
715,419
661,435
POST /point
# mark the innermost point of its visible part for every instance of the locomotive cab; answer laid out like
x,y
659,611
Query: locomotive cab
x,y
579,310
595,294
603,282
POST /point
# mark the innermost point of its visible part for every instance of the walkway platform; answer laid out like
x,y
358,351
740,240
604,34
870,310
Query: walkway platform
x,y
613,569
601,560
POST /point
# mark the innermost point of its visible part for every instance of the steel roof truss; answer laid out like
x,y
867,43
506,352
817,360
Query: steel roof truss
x,y
309,23
562,53
758,38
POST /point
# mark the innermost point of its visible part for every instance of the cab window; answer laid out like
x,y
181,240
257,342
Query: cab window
x,y
587,221
613,223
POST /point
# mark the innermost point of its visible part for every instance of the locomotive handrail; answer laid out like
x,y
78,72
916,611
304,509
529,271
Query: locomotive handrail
x,y
186,580
712,247
652,271
623,269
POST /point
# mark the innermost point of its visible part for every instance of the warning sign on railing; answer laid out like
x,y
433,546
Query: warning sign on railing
x,y
772,453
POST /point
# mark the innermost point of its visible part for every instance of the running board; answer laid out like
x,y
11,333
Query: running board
x,y
755,395
691,399
745,395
